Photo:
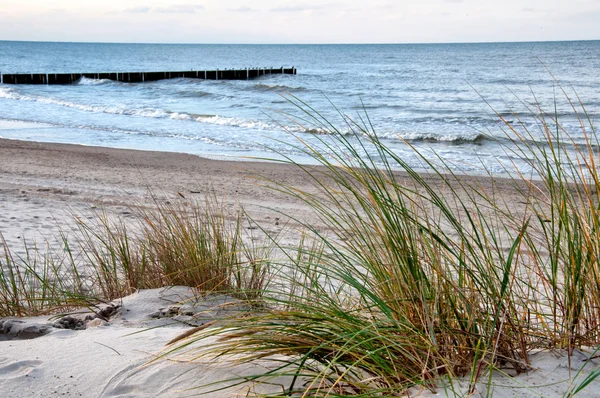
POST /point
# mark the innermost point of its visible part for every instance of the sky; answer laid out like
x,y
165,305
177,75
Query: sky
x,y
308,21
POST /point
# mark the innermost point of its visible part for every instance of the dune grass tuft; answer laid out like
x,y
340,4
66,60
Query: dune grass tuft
x,y
105,257
38,282
173,243
424,277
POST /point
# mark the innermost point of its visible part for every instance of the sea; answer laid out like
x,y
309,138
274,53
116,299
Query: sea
x,y
450,103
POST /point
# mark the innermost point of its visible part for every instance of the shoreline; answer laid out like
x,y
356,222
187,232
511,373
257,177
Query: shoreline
x,y
17,124
42,181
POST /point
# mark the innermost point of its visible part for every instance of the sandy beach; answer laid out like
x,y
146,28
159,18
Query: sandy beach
x,y
38,177
41,184
41,181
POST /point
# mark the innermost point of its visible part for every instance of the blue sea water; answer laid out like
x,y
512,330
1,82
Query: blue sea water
x,y
440,97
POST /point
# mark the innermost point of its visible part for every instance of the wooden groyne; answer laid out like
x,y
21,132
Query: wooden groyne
x,y
140,77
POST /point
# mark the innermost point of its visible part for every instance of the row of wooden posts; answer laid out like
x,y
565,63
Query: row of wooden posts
x,y
140,77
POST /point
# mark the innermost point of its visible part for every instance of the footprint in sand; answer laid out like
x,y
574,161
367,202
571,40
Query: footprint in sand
x,y
11,369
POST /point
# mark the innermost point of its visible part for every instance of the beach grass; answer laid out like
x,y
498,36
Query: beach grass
x,y
39,281
417,282
407,280
103,257
175,243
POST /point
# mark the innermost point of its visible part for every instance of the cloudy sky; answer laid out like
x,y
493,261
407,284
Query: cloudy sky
x,y
304,21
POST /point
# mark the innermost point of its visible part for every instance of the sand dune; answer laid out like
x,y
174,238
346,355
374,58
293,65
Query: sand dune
x,y
41,184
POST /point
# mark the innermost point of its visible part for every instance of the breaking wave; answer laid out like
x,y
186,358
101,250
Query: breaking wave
x,y
457,139
277,87
84,81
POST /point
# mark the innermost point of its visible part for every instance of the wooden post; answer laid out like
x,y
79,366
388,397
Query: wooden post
x,y
135,77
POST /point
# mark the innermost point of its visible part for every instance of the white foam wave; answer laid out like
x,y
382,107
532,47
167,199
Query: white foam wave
x,y
237,122
259,125
6,92
427,137
10,93
180,116
277,87
84,81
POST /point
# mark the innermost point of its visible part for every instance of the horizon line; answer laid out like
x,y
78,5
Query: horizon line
x,y
300,43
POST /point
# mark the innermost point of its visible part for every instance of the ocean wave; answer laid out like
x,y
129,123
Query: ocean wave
x,y
83,127
9,93
84,81
171,85
198,94
451,138
237,122
547,114
272,125
456,139
267,126
277,87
